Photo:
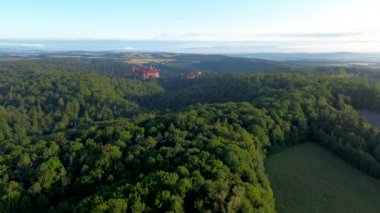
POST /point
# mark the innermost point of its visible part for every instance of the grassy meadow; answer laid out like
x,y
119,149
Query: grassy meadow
x,y
307,178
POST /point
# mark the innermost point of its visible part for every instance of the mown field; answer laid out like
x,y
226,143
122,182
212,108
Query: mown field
x,y
372,117
307,178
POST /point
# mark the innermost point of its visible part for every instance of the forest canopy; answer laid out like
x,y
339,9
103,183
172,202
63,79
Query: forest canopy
x,y
84,136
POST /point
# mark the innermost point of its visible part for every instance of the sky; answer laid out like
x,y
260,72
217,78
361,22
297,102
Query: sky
x,y
271,25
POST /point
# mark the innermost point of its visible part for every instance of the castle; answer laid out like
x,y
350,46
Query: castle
x,y
146,72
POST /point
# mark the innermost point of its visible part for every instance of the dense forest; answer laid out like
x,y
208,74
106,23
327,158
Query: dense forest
x,y
88,136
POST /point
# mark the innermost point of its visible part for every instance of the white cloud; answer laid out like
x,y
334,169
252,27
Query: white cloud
x,y
33,45
26,45
130,48
312,35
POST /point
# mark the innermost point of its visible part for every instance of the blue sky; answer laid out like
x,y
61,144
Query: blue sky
x,y
295,25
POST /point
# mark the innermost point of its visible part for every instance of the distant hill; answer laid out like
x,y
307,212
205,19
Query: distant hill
x,y
346,56
167,62
307,178
217,63
320,59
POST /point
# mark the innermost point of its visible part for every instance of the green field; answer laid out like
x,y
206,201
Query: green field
x,y
307,178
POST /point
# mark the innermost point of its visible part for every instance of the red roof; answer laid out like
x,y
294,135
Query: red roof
x,y
146,72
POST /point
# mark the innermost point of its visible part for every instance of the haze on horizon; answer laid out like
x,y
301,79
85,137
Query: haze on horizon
x,y
268,26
